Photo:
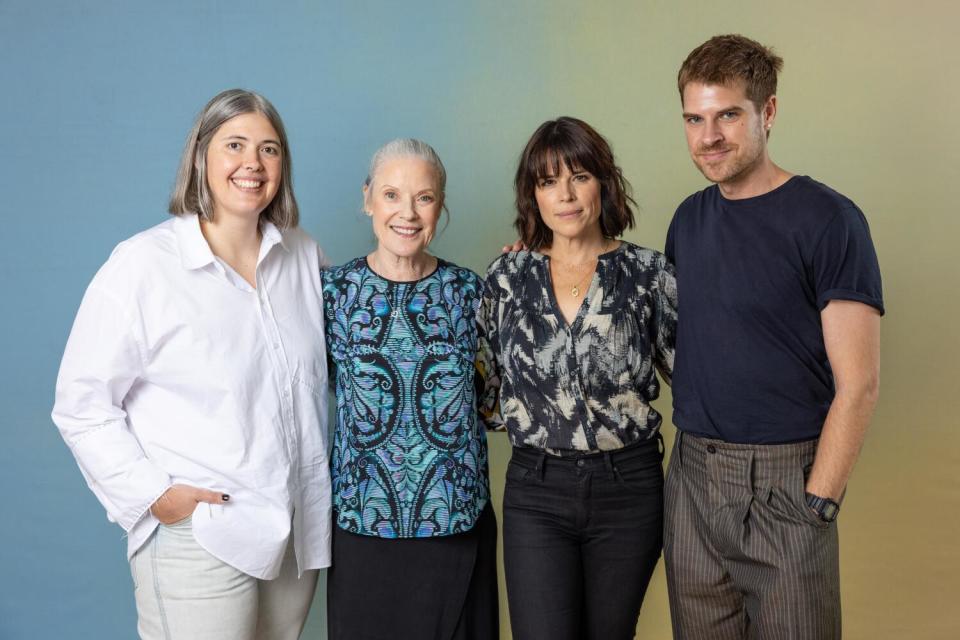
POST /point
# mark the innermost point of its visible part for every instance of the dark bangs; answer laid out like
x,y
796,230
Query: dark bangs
x,y
558,146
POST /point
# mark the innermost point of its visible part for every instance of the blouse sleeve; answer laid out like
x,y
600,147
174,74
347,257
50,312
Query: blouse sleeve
x,y
329,321
102,361
665,319
487,364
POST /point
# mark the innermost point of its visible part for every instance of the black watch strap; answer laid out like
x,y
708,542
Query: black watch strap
x,y
825,508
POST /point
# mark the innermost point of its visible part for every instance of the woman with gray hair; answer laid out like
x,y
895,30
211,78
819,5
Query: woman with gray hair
x,y
192,391
414,542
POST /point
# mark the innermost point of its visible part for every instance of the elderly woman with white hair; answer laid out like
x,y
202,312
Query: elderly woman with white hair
x,y
414,543
192,391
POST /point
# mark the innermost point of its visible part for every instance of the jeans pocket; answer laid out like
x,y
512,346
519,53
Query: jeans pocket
x,y
182,528
517,473
133,569
641,474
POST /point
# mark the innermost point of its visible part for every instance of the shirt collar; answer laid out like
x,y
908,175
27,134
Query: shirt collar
x,y
195,253
271,236
194,250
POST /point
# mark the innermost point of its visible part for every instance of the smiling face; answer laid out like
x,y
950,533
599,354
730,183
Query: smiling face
x,y
243,166
726,134
569,202
404,201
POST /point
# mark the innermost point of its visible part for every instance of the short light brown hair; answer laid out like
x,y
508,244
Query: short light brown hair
x,y
732,59
191,193
579,147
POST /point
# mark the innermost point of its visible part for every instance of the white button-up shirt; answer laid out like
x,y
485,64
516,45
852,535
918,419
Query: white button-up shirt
x,y
177,371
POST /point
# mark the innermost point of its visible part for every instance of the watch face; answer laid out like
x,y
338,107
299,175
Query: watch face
x,y
825,508
829,511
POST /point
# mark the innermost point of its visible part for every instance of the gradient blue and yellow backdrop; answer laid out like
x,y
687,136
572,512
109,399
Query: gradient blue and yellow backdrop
x,y
96,98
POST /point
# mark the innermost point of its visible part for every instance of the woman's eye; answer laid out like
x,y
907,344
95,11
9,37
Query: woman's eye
x,y
271,151
234,146
582,177
548,182
390,195
426,199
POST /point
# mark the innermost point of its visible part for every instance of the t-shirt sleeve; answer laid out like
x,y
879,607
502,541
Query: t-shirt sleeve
x,y
844,262
668,248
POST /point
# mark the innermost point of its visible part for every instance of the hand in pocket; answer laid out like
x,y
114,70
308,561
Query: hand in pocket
x,y
179,501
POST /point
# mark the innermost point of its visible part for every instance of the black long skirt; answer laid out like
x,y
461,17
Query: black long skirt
x,y
442,588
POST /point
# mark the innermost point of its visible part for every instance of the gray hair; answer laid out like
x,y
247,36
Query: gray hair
x,y
191,193
408,148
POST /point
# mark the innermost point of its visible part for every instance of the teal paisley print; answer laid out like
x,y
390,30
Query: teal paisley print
x,y
409,455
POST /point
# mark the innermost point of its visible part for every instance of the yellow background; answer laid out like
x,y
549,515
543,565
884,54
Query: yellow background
x,y
869,101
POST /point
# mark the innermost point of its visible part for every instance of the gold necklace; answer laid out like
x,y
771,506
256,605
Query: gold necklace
x,y
575,289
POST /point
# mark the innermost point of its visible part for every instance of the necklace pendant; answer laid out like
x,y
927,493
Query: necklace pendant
x,y
575,292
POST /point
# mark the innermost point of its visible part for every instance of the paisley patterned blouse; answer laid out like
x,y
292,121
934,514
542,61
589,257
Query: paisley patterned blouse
x,y
585,386
409,455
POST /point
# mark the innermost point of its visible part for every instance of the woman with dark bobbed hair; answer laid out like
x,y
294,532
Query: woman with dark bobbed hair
x,y
572,332
193,391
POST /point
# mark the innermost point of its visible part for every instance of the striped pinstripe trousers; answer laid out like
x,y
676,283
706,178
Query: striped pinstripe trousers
x,y
745,557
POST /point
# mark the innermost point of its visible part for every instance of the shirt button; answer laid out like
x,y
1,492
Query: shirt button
x,y
711,448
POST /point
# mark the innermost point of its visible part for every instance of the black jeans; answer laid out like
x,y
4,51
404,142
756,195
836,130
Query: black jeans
x,y
581,537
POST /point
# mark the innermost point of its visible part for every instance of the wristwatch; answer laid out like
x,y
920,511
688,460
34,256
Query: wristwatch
x,y
825,508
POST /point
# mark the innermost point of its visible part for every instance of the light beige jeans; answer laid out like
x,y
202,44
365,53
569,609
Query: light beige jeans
x,y
184,593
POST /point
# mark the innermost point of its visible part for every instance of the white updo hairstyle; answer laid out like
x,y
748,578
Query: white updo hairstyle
x,y
409,148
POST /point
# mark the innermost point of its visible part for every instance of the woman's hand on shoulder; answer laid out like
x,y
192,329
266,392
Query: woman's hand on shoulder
x,y
179,501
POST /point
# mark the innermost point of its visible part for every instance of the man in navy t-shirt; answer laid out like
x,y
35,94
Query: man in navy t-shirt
x,y
777,366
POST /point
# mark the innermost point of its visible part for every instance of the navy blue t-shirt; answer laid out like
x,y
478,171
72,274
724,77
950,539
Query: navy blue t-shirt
x,y
753,276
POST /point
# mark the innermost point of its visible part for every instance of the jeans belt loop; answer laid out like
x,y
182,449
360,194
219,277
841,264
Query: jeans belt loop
x,y
541,463
608,463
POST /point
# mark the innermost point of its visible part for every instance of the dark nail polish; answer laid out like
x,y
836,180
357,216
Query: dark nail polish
x,y
225,497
